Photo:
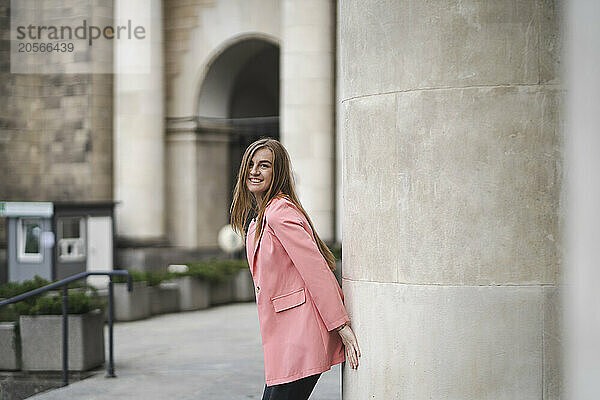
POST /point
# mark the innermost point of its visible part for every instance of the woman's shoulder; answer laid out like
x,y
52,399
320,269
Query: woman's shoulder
x,y
278,204
281,207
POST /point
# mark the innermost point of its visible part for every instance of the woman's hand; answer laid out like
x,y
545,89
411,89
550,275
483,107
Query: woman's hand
x,y
351,345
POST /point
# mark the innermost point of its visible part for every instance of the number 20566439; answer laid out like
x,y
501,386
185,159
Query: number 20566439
x,y
45,47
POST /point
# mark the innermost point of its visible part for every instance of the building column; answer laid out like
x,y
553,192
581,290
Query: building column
x,y
197,176
213,167
139,159
182,183
307,105
452,133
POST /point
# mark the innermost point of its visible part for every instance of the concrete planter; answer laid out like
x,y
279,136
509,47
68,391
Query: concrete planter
x,y
221,293
194,294
243,287
134,305
164,298
41,341
10,351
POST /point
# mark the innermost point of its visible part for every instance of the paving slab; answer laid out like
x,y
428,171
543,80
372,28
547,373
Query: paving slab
x,y
213,354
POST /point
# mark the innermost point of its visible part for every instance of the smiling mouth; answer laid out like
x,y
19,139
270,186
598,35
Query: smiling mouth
x,y
252,180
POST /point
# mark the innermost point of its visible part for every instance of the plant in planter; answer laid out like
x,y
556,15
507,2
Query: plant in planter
x,y
10,342
41,332
220,274
164,296
243,286
231,283
134,305
221,288
194,287
211,282
12,289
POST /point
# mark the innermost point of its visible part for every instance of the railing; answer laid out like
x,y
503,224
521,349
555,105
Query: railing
x,y
110,371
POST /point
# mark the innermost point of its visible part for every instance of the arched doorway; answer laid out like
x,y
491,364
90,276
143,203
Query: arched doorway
x,y
237,104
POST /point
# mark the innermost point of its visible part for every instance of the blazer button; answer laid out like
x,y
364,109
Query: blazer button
x,y
257,289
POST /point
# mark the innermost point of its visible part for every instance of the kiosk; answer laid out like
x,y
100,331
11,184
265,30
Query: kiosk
x,y
57,240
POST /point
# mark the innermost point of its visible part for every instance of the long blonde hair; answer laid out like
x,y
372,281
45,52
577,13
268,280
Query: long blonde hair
x,y
282,183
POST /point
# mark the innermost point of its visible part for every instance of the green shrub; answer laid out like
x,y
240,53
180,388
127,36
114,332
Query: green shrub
x,y
213,270
11,312
12,289
204,271
136,276
79,301
154,278
8,313
230,267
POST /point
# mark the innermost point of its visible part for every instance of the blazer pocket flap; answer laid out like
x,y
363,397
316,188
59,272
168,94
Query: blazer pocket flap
x,y
289,300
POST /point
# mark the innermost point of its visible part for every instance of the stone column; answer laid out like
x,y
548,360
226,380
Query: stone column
x,y
182,183
197,176
139,129
307,97
451,122
213,178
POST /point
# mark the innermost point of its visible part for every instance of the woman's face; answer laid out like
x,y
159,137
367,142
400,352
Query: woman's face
x,y
260,172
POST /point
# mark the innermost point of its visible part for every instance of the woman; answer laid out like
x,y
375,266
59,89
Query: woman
x,y
303,322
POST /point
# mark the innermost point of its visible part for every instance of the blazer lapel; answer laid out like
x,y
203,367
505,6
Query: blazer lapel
x,y
256,243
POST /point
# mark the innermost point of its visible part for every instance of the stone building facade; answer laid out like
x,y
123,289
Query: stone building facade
x,y
56,134
56,141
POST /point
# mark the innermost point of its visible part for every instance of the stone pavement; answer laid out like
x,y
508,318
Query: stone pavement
x,y
212,354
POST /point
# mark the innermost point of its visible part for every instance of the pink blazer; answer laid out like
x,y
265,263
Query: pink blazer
x,y
298,298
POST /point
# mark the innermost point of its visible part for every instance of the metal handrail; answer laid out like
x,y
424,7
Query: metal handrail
x,y
110,371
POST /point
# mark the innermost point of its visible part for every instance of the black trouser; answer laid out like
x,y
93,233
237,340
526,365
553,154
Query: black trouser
x,y
295,390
